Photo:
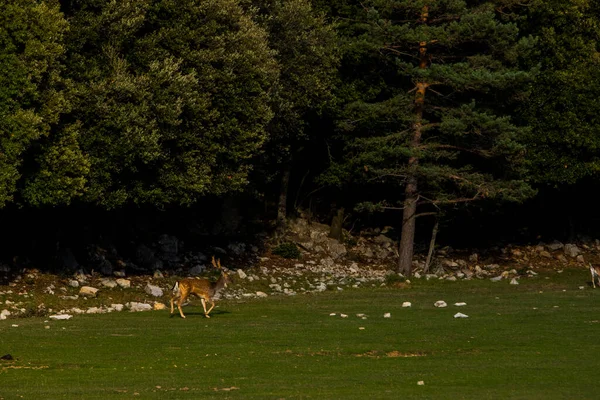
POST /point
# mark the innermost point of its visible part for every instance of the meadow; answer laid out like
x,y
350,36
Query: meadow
x,y
528,341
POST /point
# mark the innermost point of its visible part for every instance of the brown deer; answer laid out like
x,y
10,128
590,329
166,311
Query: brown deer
x,y
595,271
202,288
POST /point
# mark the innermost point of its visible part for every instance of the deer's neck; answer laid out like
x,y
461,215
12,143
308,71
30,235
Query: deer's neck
x,y
220,284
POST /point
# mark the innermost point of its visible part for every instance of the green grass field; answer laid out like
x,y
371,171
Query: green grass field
x,y
537,340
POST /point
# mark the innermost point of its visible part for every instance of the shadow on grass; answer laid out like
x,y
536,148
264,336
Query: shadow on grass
x,y
198,313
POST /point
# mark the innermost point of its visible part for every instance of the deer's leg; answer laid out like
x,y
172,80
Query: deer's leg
x,y
172,301
204,306
593,280
180,301
213,306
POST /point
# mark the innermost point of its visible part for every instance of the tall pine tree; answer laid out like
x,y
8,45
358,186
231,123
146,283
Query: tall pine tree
x,y
435,132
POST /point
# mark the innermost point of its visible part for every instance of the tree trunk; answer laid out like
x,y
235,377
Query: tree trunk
x,y
411,192
283,194
335,231
434,232
407,237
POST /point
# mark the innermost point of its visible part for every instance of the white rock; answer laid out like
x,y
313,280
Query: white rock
x,y
460,304
153,290
4,314
61,316
387,315
159,306
440,303
135,306
261,294
88,291
332,314
343,315
460,315
241,274
496,278
94,310
514,281
109,283
124,283
117,307
74,283
421,383
407,304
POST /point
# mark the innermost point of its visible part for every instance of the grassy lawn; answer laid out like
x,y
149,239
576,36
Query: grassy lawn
x,y
537,340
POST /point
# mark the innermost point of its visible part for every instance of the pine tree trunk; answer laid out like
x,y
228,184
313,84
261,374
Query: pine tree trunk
x,y
407,237
411,192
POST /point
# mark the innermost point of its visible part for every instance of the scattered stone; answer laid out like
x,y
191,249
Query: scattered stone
x,y
135,306
421,383
74,283
514,281
555,245
88,291
407,304
460,315
461,304
440,304
261,294
241,274
159,306
387,315
109,283
343,315
571,250
153,290
545,254
4,314
157,275
124,283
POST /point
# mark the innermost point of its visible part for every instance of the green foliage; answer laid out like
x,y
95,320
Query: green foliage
x,y
306,50
31,96
563,110
287,250
168,109
467,146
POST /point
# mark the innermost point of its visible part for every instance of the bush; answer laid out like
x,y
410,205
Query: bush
x,y
287,250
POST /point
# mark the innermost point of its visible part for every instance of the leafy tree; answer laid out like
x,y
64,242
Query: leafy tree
x,y
563,111
305,48
171,97
431,131
31,89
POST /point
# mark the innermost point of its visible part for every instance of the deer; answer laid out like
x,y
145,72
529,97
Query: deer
x,y
595,271
203,288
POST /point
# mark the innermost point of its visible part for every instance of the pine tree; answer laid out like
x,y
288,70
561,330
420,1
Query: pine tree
x,y
432,130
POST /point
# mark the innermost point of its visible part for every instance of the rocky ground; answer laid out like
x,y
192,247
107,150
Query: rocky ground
x,y
324,264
